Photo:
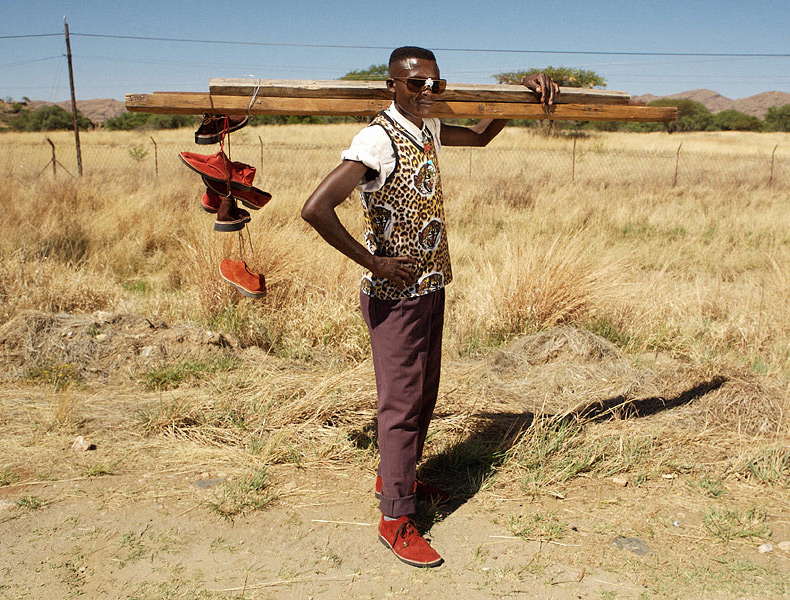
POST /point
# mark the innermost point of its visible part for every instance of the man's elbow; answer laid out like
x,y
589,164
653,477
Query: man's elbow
x,y
309,212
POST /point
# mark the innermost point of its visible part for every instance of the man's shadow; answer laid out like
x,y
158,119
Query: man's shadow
x,y
463,468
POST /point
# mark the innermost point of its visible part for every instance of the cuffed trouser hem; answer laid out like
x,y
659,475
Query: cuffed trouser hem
x,y
397,507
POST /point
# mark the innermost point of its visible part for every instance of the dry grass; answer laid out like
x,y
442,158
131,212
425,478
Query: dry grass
x,y
699,270
688,286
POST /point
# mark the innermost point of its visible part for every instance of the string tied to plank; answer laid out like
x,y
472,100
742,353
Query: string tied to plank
x,y
254,95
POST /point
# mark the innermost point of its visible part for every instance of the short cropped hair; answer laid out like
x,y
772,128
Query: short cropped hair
x,y
406,52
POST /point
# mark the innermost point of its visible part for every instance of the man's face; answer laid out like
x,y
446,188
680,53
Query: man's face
x,y
415,106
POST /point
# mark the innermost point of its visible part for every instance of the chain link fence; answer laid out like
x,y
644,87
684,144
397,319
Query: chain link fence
x,y
559,159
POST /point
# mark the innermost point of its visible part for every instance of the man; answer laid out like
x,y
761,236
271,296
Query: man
x,y
394,163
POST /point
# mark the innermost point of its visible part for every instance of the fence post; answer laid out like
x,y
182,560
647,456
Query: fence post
x,y
677,159
261,143
54,162
773,156
573,162
156,157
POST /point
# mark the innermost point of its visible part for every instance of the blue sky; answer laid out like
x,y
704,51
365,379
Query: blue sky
x,y
463,33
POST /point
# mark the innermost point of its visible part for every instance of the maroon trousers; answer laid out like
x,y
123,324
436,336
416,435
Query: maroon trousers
x,y
406,339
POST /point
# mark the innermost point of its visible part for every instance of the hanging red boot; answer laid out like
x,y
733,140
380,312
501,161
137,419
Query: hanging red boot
x,y
236,273
230,217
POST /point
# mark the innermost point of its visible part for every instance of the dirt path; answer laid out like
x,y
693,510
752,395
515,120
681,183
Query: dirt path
x,y
148,530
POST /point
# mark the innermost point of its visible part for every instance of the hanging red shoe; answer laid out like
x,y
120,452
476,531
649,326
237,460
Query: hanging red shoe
x,y
219,167
214,127
252,198
239,276
230,217
211,201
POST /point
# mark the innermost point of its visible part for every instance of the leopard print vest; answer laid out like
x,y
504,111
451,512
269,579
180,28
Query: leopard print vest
x,y
406,216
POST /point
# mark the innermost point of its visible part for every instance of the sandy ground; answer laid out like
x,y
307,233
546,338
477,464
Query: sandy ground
x,y
133,518
147,531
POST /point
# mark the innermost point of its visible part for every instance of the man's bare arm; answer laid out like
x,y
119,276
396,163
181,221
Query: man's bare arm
x,y
478,135
487,129
319,211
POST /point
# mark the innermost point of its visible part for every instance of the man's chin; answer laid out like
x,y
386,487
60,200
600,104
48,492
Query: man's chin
x,y
424,110
417,111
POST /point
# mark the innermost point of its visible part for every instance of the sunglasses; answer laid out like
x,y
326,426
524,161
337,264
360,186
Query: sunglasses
x,y
418,84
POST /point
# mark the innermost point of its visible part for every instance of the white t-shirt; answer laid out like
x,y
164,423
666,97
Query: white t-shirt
x,y
373,148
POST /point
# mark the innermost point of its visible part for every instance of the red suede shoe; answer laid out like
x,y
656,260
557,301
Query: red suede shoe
x,y
220,168
252,198
236,273
401,536
423,491
230,217
211,201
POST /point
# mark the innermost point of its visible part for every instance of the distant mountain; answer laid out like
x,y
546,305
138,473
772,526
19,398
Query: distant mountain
x,y
756,105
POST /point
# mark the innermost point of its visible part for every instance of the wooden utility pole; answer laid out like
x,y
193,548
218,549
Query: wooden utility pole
x,y
73,100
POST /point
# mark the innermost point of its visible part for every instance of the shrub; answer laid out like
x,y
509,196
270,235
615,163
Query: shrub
x,y
48,118
778,118
733,120
692,115
128,121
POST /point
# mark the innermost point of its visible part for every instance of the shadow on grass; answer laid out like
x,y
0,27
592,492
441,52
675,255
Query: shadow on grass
x,y
623,408
464,467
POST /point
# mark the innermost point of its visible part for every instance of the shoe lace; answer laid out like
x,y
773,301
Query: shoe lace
x,y
406,530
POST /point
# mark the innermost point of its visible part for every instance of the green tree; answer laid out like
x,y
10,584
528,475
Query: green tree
x,y
373,72
733,120
564,76
778,118
48,118
692,115
127,121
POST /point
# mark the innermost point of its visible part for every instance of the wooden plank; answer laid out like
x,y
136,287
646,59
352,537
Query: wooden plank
x,y
198,103
377,90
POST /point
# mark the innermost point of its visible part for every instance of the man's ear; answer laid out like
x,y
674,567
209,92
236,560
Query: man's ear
x,y
391,85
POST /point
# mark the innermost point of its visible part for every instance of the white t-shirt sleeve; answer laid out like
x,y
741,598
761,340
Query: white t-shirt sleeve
x,y
373,148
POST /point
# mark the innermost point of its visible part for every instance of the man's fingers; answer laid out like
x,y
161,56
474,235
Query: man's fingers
x,y
548,89
402,270
406,260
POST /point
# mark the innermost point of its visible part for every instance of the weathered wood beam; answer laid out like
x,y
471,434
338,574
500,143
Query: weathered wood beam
x,y
377,90
198,103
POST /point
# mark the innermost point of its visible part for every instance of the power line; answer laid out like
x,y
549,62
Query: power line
x,y
227,42
32,35
494,50
359,47
27,62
